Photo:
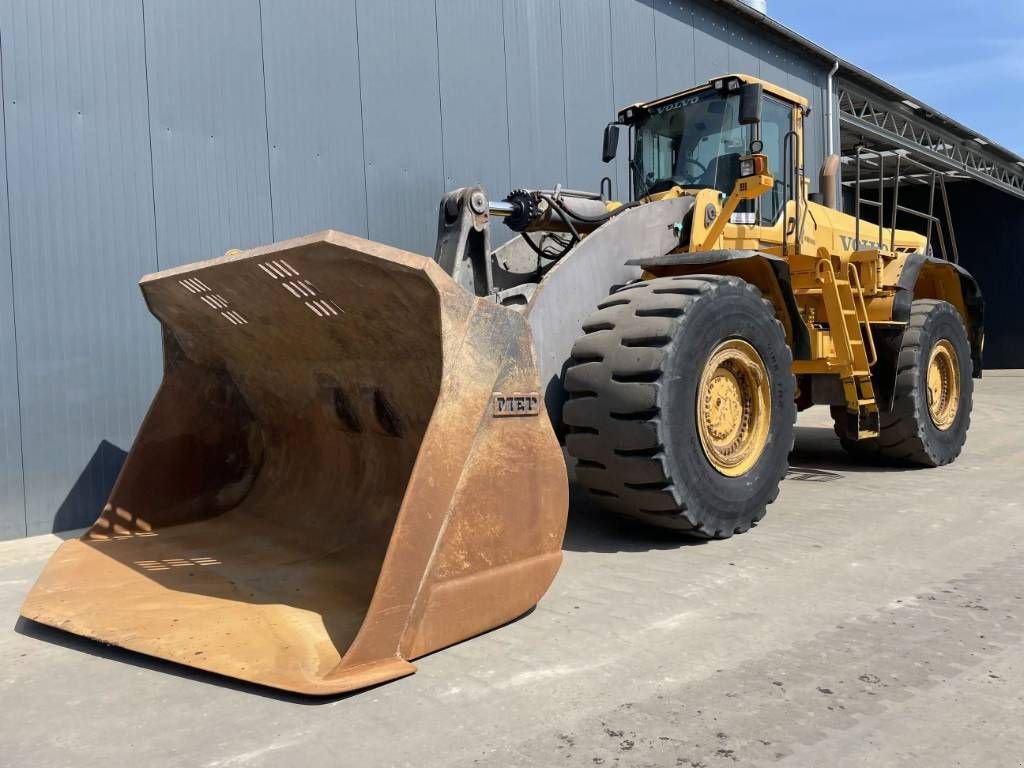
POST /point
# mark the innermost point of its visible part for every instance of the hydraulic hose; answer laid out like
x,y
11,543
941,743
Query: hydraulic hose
x,y
541,211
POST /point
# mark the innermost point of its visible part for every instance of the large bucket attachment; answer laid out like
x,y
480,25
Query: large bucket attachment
x,y
348,465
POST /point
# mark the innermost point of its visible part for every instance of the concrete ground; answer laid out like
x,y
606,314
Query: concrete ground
x,y
873,618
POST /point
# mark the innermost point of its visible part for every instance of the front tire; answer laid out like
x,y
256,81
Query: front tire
x,y
681,409
933,394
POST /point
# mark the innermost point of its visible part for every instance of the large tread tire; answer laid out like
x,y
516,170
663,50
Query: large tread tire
x,y
632,409
907,434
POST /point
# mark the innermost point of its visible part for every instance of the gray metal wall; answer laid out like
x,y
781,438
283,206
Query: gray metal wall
x,y
139,135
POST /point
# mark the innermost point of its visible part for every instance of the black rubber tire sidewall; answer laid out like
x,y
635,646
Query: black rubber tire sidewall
x,y
943,322
717,502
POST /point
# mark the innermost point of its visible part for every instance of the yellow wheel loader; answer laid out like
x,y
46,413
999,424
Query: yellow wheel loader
x,y
354,456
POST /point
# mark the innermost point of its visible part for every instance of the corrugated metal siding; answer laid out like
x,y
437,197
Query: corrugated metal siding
x,y
587,84
774,63
806,80
710,43
208,123
474,107
536,104
673,45
401,120
634,68
744,48
141,135
81,210
12,490
314,116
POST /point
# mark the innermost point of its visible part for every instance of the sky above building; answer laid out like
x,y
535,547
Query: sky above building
x,y
962,57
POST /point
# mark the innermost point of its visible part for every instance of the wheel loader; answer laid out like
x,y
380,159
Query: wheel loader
x,y
355,456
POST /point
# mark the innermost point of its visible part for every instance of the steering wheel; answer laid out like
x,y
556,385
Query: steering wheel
x,y
703,168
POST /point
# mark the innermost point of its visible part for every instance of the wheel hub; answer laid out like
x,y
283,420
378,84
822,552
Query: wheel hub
x,y
733,407
943,385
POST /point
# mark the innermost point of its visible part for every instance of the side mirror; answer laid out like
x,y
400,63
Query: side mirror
x,y
611,142
750,104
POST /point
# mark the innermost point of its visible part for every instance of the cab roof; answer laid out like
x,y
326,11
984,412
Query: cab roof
x,y
772,88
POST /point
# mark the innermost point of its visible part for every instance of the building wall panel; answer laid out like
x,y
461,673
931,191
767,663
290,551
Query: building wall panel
x,y
744,48
474,107
807,82
82,233
209,128
710,43
314,116
774,66
12,489
536,99
588,86
634,69
673,29
401,121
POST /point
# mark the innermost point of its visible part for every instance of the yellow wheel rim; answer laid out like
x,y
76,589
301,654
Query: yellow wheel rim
x,y
943,385
734,407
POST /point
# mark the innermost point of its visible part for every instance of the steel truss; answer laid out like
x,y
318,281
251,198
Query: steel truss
x,y
899,126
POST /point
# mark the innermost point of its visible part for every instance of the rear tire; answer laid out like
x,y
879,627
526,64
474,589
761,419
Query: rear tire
x,y
641,441
921,428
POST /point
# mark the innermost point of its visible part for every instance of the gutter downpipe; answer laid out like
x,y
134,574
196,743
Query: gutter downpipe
x,y
831,128
831,111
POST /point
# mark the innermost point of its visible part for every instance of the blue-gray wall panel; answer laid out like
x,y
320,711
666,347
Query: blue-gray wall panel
x,y
634,69
536,104
314,116
774,65
12,490
587,81
744,49
710,43
673,30
474,110
401,121
77,144
209,127
806,81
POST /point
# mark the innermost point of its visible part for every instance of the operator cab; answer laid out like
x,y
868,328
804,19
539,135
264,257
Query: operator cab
x,y
697,138
695,142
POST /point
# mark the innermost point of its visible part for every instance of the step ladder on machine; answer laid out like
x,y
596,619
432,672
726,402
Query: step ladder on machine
x,y
854,346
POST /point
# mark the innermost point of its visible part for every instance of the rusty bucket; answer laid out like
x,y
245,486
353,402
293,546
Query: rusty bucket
x,y
346,466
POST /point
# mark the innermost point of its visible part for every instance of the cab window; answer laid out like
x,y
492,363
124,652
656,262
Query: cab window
x,y
776,122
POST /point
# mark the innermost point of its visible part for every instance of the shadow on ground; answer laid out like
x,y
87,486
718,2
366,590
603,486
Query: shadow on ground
x,y
816,450
817,457
47,634
89,493
591,529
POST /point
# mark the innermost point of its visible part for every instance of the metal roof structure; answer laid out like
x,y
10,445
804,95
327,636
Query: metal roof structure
x,y
889,117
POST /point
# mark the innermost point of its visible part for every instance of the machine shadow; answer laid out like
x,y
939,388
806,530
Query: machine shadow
x,y
817,457
59,637
91,490
817,451
590,529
